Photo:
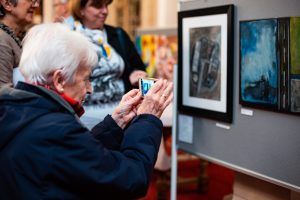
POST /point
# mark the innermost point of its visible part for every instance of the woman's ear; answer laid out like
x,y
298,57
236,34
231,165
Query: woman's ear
x,y
58,81
6,4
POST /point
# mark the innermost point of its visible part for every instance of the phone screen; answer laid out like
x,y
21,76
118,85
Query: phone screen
x,y
145,85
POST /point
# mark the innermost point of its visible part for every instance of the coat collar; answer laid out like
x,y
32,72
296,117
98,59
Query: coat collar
x,y
40,90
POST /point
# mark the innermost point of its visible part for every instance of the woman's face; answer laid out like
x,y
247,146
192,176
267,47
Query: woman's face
x,y
60,9
94,17
81,85
23,12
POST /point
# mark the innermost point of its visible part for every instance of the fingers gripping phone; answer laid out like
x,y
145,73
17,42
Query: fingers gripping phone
x,y
145,84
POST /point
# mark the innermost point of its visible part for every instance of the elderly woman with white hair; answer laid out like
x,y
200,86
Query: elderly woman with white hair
x,y
46,152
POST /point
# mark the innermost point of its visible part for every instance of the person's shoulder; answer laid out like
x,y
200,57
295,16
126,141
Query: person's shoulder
x,y
4,37
109,27
7,41
113,29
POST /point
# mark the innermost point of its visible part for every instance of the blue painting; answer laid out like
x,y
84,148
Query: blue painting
x,y
259,63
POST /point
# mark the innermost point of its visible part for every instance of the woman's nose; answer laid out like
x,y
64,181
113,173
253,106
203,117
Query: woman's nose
x,y
89,89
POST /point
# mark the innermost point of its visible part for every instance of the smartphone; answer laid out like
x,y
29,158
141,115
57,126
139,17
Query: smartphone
x,y
145,84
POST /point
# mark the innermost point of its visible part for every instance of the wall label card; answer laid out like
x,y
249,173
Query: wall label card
x,y
185,129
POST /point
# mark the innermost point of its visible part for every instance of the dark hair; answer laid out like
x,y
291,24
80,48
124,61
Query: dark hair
x,y
76,5
2,10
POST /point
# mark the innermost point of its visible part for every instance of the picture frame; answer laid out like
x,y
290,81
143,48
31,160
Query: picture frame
x,y
205,62
269,77
259,65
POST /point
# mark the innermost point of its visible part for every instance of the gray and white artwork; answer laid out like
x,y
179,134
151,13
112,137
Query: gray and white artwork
x,y
205,72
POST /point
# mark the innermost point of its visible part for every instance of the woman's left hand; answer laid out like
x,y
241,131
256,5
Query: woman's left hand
x,y
126,110
135,76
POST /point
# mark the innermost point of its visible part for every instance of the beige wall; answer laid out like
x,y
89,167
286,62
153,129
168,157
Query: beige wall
x,y
154,13
158,13
47,10
166,13
148,13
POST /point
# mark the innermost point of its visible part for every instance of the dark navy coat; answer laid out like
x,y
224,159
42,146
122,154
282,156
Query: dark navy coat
x,y
46,153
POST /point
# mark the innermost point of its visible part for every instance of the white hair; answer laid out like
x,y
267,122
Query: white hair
x,y
53,46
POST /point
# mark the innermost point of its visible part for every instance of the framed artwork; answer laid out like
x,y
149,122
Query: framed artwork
x,y
294,64
270,64
159,53
205,62
259,63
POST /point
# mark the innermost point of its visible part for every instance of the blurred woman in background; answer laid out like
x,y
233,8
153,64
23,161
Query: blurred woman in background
x,y
61,10
119,65
15,16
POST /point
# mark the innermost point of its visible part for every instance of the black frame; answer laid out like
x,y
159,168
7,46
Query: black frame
x,y
198,111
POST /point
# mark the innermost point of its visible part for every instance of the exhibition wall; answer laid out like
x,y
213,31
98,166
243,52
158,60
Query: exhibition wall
x,y
258,142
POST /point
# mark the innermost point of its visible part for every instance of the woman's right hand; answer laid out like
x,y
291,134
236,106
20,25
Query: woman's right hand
x,y
157,98
126,110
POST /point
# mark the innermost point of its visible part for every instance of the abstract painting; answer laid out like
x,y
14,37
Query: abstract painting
x,y
270,64
159,53
205,62
259,63
295,63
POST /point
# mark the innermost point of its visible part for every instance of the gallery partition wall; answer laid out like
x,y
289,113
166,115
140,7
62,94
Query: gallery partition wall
x,y
261,140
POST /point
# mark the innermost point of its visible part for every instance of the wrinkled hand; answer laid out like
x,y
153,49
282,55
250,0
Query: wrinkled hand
x,y
135,76
126,110
157,98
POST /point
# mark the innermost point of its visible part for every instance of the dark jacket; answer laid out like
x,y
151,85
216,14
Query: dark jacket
x,y
46,153
121,42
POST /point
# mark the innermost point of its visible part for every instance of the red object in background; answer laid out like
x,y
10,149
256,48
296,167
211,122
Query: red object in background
x,y
220,181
